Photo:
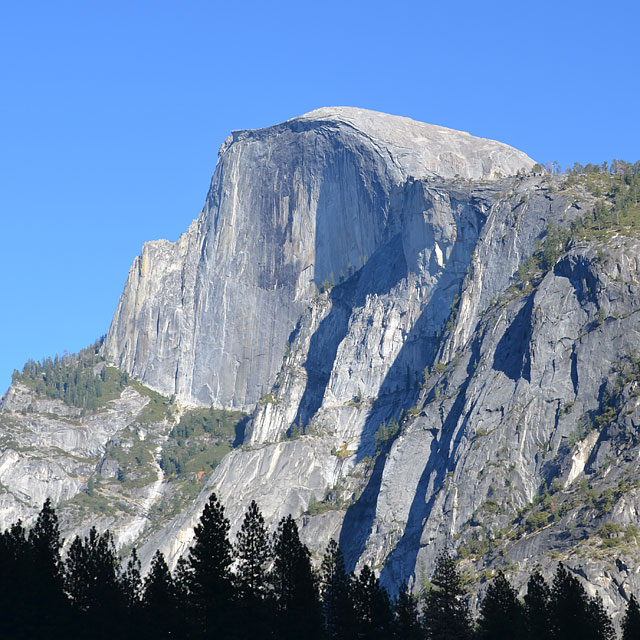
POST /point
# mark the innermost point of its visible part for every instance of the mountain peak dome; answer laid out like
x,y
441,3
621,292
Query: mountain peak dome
x,y
419,149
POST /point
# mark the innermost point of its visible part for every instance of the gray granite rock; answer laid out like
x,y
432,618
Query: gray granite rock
x,y
289,207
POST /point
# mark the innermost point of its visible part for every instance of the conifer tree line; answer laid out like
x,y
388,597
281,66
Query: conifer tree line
x,y
265,586
72,378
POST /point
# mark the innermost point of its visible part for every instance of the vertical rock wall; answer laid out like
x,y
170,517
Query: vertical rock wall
x,y
290,207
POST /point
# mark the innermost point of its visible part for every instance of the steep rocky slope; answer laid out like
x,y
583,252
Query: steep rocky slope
x,y
369,288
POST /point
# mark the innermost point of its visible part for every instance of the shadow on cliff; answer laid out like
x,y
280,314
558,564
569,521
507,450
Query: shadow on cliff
x,y
512,352
391,401
418,351
382,272
400,564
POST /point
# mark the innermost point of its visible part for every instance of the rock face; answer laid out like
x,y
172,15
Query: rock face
x,y
354,282
290,206
52,450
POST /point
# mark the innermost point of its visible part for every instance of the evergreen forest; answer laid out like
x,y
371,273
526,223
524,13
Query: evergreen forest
x,y
80,380
265,586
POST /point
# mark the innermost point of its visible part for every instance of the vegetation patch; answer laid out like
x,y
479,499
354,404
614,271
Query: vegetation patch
x,y
183,491
199,441
135,460
93,500
386,434
158,409
616,210
80,380
333,500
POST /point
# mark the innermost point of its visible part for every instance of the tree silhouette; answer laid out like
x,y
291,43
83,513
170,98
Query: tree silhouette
x,y
446,612
372,606
159,601
537,607
407,615
631,620
573,613
501,614
335,587
209,578
298,607
92,584
131,587
88,594
15,582
45,569
253,552
601,625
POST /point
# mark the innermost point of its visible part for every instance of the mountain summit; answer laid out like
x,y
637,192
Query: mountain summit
x,y
395,332
418,149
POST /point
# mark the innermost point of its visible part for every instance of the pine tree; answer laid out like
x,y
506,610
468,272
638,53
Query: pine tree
x,y
160,601
32,600
131,587
631,620
568,606
337,605
92,583
210,582
48,610
600,621
407,622
298,608
573,613
77,576
181,582
131,581
253,552
537,605
15,578
501,614
372,606
446,612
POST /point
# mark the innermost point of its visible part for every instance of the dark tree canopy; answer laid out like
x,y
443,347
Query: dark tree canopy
x,y
573,613
253,553
631,620
265,588
92,582
537,607
209,579
337,597
32,601
298,608
407,615
131,581
446,611
372,606
160,604
501,613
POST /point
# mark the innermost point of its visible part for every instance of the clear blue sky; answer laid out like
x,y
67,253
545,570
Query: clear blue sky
x,y
112,114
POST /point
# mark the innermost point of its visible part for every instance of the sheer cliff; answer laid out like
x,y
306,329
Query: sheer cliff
x,y
290,206
418,370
